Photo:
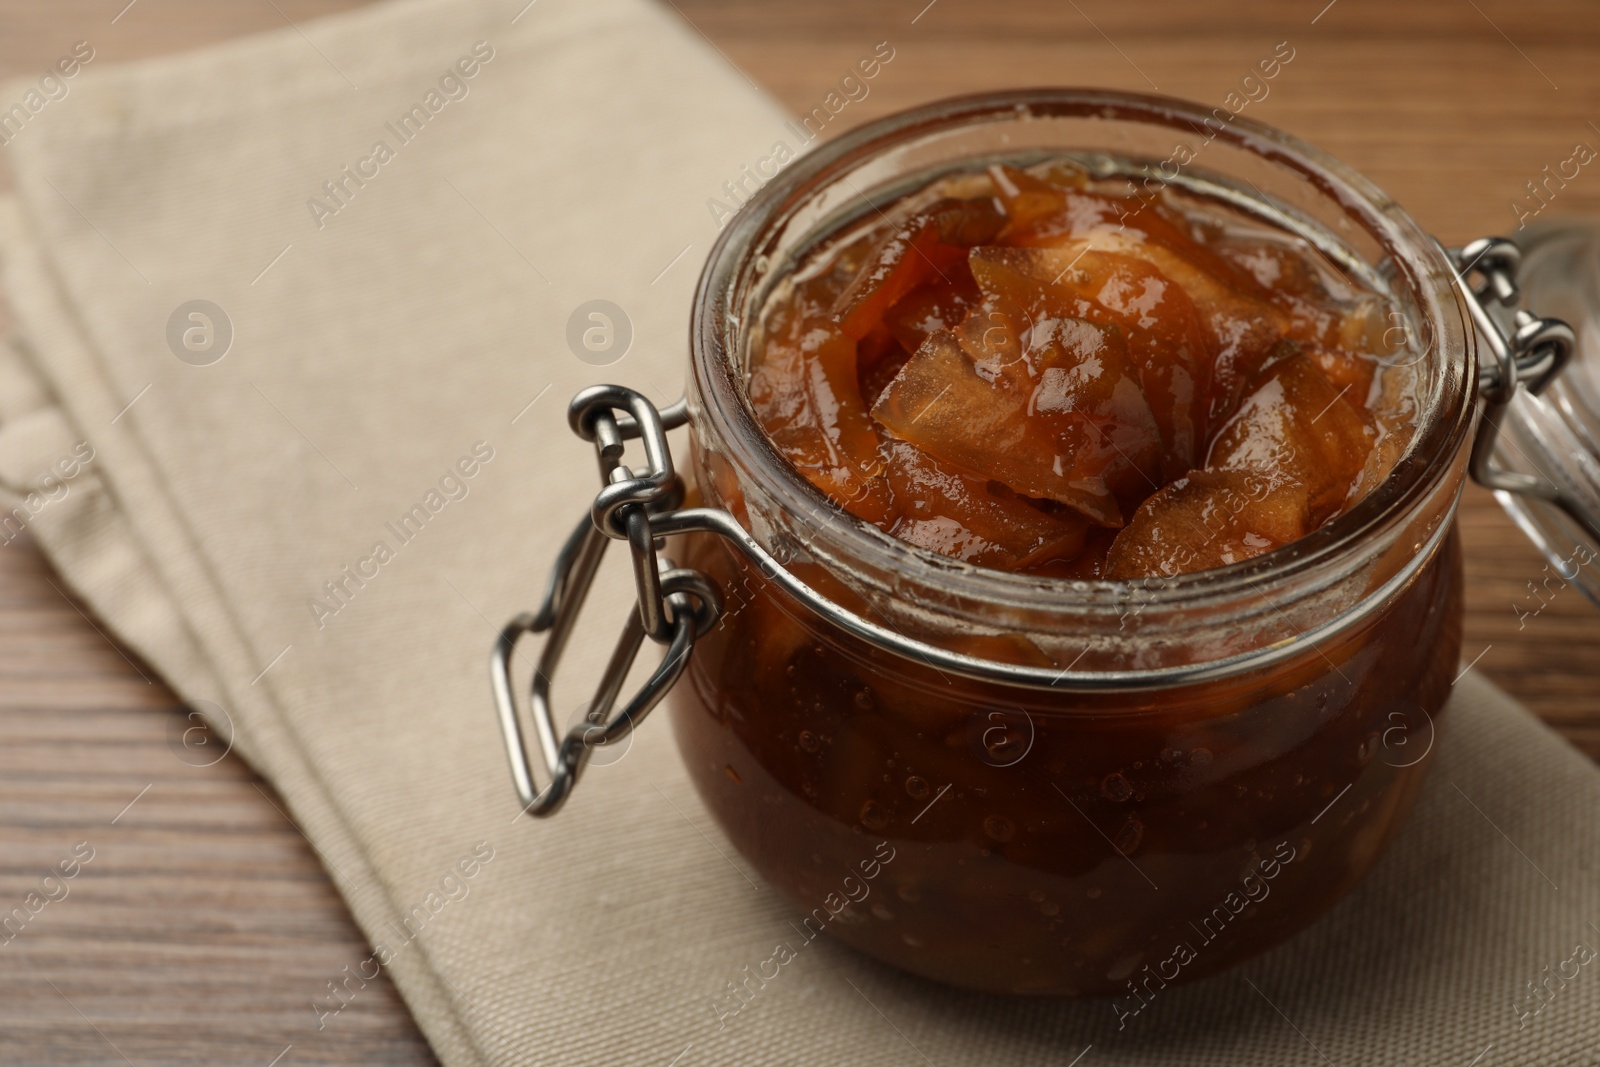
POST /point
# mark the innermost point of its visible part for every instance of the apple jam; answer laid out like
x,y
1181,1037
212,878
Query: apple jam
x,y
1024,371
1049,845
1020,411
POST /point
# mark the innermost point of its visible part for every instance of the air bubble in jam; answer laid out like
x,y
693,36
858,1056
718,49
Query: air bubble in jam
x,y
1115,788
999,827
874,816
809,741
1001,748
1129,837
917,787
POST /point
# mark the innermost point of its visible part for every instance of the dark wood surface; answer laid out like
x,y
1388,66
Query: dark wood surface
x,y
204,926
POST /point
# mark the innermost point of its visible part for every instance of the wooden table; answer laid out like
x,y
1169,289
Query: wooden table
x,y
204,926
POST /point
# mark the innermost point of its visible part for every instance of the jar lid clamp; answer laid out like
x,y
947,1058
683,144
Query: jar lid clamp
x,y
1539,446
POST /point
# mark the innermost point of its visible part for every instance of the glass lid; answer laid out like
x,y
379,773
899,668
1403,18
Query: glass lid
x,y
1554,435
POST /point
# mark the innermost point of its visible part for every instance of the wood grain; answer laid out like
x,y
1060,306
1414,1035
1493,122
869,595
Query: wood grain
x,y
204,926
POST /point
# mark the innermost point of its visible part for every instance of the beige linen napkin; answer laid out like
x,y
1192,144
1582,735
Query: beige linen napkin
x,y
396,340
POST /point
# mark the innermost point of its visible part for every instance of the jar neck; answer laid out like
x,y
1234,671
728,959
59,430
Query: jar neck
x,y
1347,568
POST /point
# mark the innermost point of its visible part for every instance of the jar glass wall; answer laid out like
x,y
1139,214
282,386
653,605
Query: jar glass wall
x,y
1211,761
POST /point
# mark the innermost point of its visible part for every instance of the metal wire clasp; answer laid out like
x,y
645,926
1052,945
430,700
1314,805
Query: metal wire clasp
x,y
1525,351
675,605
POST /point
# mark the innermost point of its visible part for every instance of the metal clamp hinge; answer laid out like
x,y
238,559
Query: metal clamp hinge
x,y
675,605
1524,350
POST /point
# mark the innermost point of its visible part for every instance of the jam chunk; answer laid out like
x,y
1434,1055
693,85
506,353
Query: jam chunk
x,y
1239,319
1296,423
1158,320
806,392
1333,330
1286,461
1240,326
1051,411
1209,518
939,306
1031,369
974,519
931,243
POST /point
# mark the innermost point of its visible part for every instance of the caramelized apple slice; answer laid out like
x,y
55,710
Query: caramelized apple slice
x,y
1241,325
937,306
1294,422
923,249
1210,518
1165,341
1346,371
974,519
1029,202
875,378
1342,335
1057,417
1241,322
1042,211
1286,276
1046,212
806,393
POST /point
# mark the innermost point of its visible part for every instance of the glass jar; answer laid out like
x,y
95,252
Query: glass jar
x,y
1027,785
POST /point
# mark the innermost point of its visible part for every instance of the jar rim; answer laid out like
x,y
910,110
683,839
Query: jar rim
x,y
1421,265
